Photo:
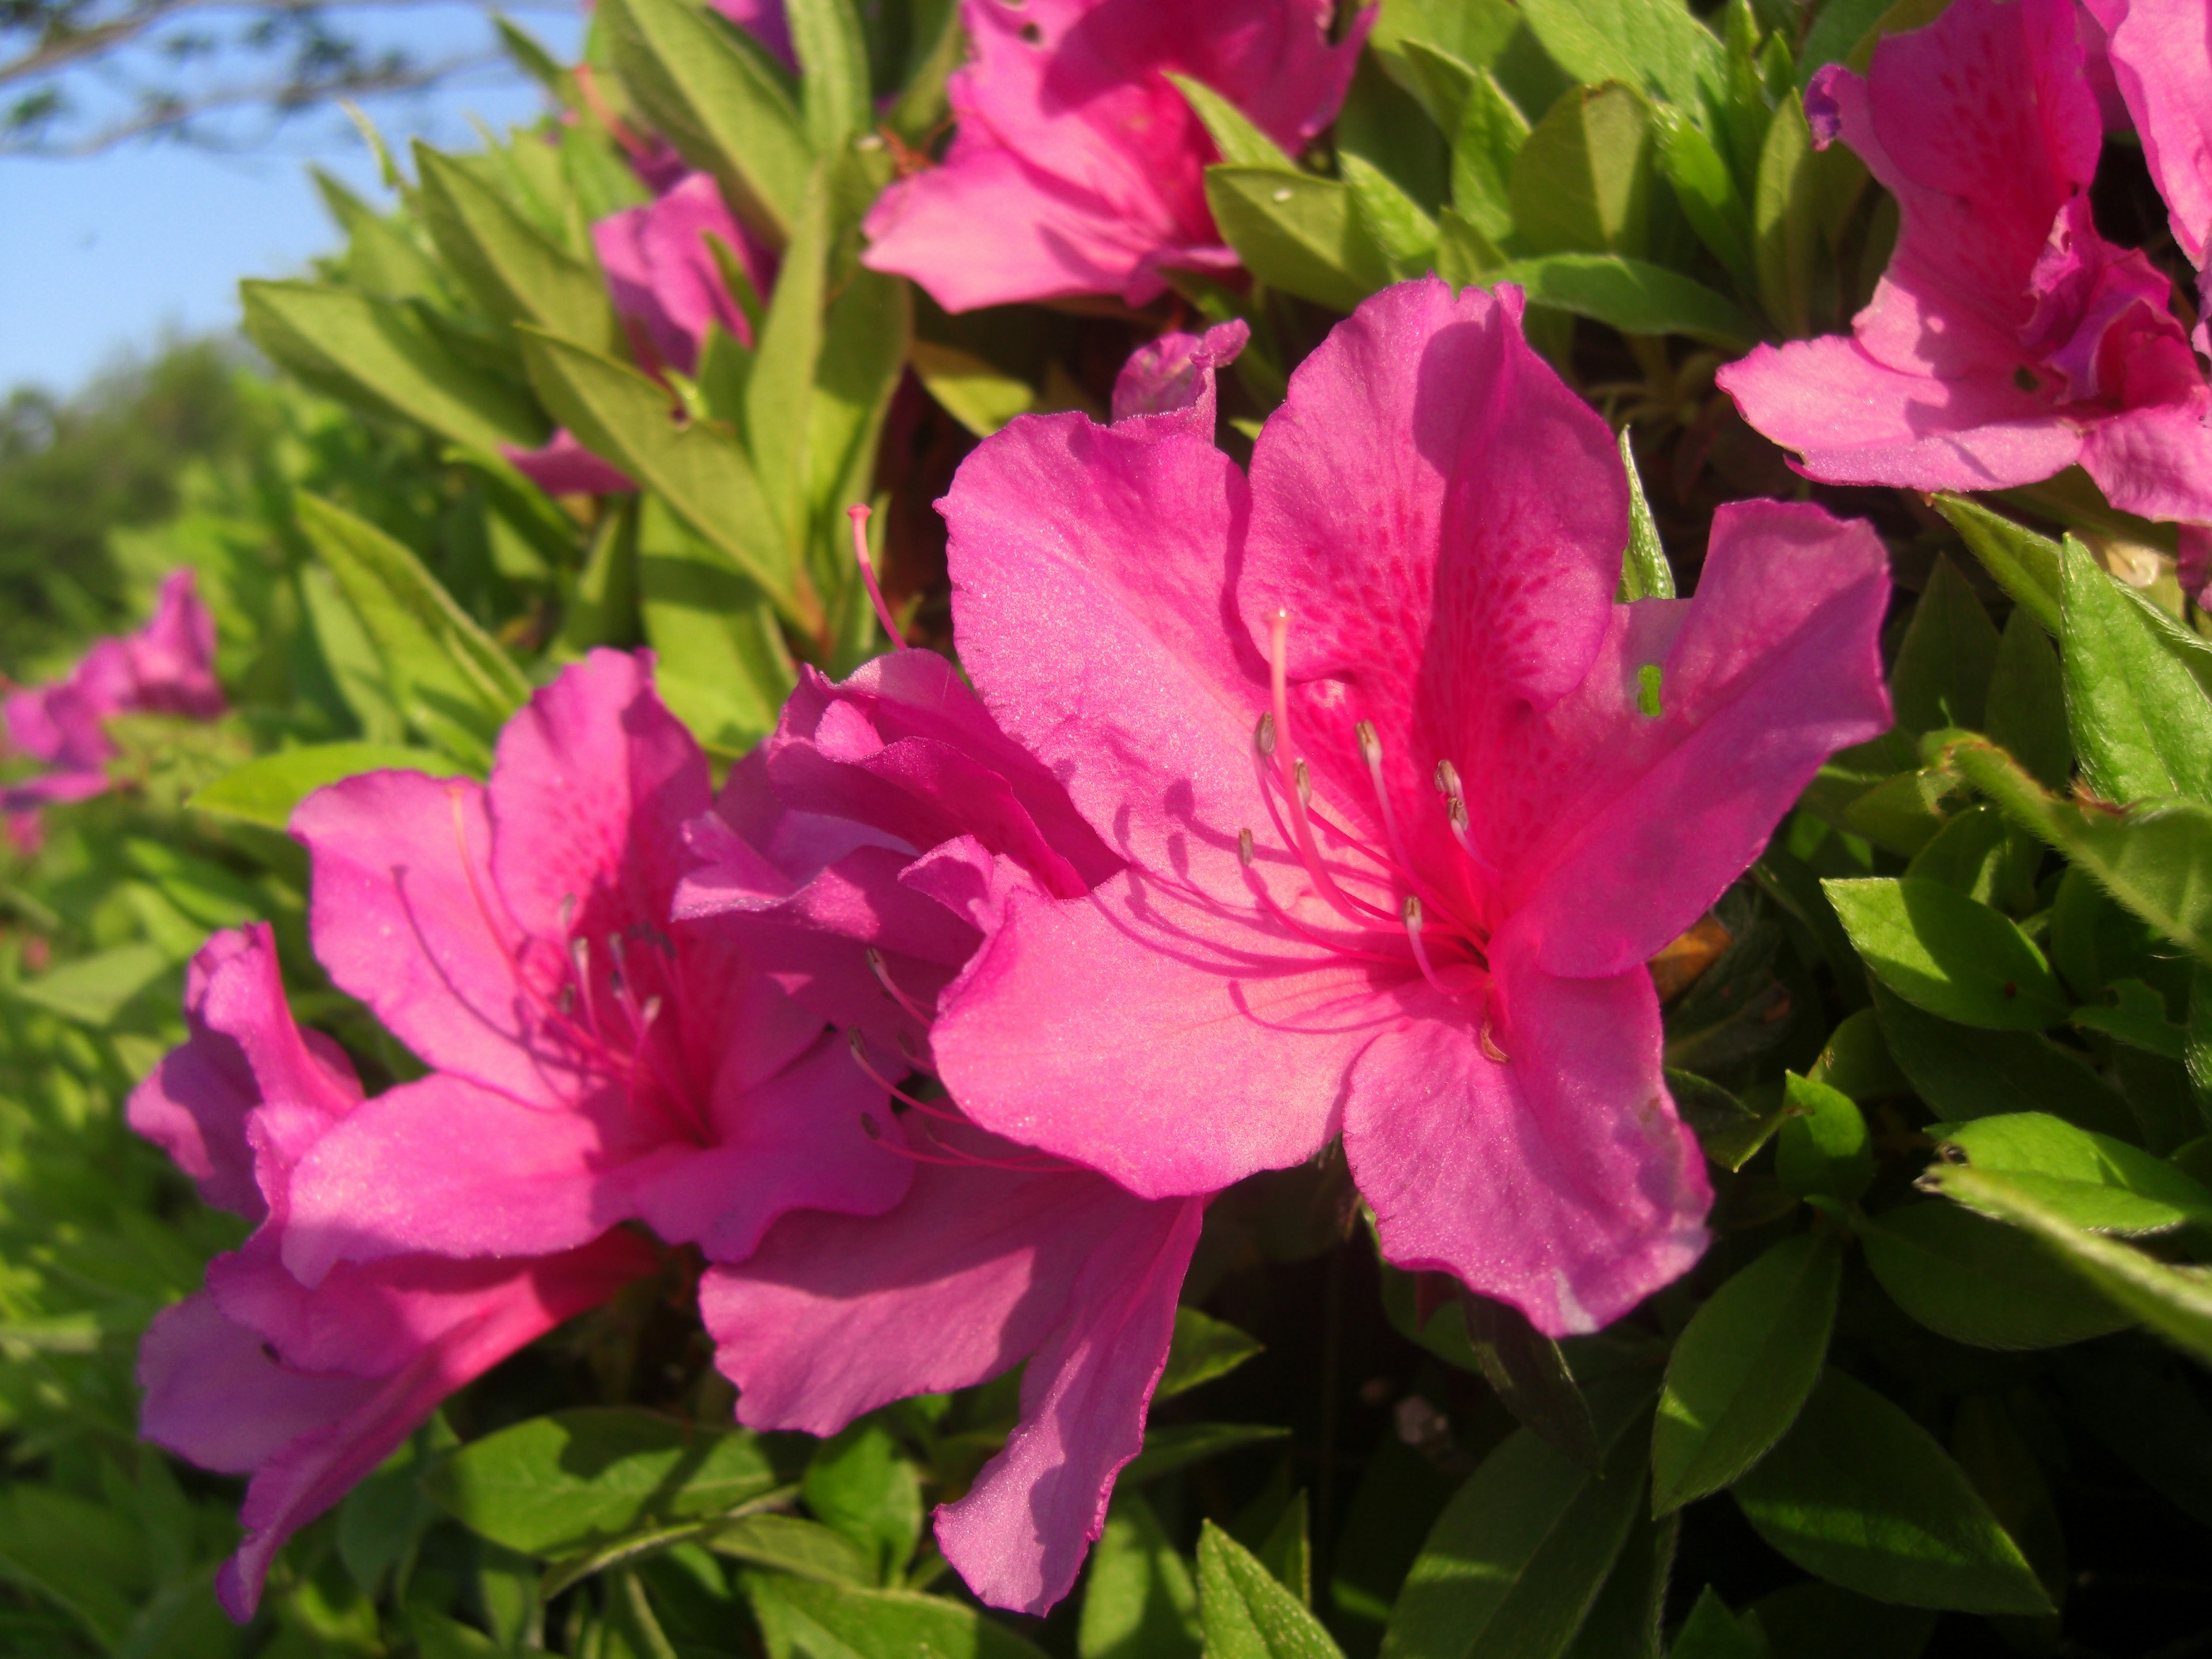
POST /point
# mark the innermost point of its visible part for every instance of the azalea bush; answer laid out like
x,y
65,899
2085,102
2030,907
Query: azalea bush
x,y
1104,829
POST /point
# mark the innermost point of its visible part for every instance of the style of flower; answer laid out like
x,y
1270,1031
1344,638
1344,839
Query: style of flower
x,y
167,667
306,1390
862,856
2007,340
1406,801
1077,168
668,287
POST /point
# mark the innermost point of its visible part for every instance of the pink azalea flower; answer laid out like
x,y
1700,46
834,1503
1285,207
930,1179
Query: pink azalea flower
x,y
591,1064
863,854
2161,57
2007,340
668,287
1077,168
1406,799
306,1391
167,667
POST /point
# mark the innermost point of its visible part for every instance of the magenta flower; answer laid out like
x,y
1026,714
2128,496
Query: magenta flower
x,y
306,1391
591,1063
862,856
2161,59
167,667
1077,168
2007,340
1406,799
668,287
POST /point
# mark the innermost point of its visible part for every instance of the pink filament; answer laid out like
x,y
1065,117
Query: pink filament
x,y
857,513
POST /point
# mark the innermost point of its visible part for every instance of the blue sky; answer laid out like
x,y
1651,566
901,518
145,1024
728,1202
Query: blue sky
x,y
99,256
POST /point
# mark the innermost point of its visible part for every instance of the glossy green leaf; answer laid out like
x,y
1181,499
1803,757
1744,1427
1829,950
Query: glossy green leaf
x,y
780,389
859,1484
1708,193
2141,724
727,105
1962,1073
1861,1495
801,1619
1654,44
1392,221
1822,1149
1858,1060
1742,1368
92,990
1173,1446
1529,1376
1814,1620
979,395
2176,1301
1581,181
370,352
1624,1622
552,1485
1297,233
786,1544
1785,220
1979,1282
2155,858
1242,144
517,273
1203,1348
1520,1554
1941,951
264,791
1630,295
2135,1013
1139,1599
2024,564
1489,137
84,1556
1981,855
1245,1614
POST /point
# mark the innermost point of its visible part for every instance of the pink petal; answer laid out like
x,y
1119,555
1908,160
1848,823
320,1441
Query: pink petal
x,y
562,466
1561,1180
1855,422
2161,56
1173,376
172,657
665,279
2156,462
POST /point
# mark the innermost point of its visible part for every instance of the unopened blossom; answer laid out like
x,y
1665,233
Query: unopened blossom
x,y
1077,168
306,1391
167,667
1406,801
2007,340
668,285
864,854
590,1063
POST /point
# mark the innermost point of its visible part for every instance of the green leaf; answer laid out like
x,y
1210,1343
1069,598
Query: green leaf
x,y
833,65
1582,182
2024,564
368,351
698,467
1203,1348
1297,233
865,335
1514,1563
265,790
1858,1060
784,1543
2176,1301
2027,701
2154,858
1490,134
1939,949
1977,1282
1859,1494
1174,1446
724,104
1245,1614
92,990
557,1484
2136,1017
1241,143
723,668
779,390
977,393
1821,1148
1464,254
2141,724
1138,1602
1712,1632
858,1484
1530,1376
350,655
1655,45
1742,1367
1287,1551
1950,651
1633,295
1785,220
809,1620
517,273
1964,1074
1814,1620
1982,856
451,679
1644,572
1623,1623
83,1556
1707,191
1394,222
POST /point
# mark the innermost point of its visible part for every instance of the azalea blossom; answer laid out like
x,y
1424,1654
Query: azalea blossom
x,y
1077,168
863,854
669,287
1406,801
306,1390
2007,340
2160,53
167,667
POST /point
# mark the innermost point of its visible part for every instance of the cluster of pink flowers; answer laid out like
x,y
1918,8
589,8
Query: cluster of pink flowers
x,y
1326,800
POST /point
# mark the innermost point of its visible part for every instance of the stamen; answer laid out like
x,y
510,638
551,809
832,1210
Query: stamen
x,y
1447,778
1489,1048
1263,737
883,974
1410,912
857,513
1456,816
1267,900
568,914
1276,740
1371,750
